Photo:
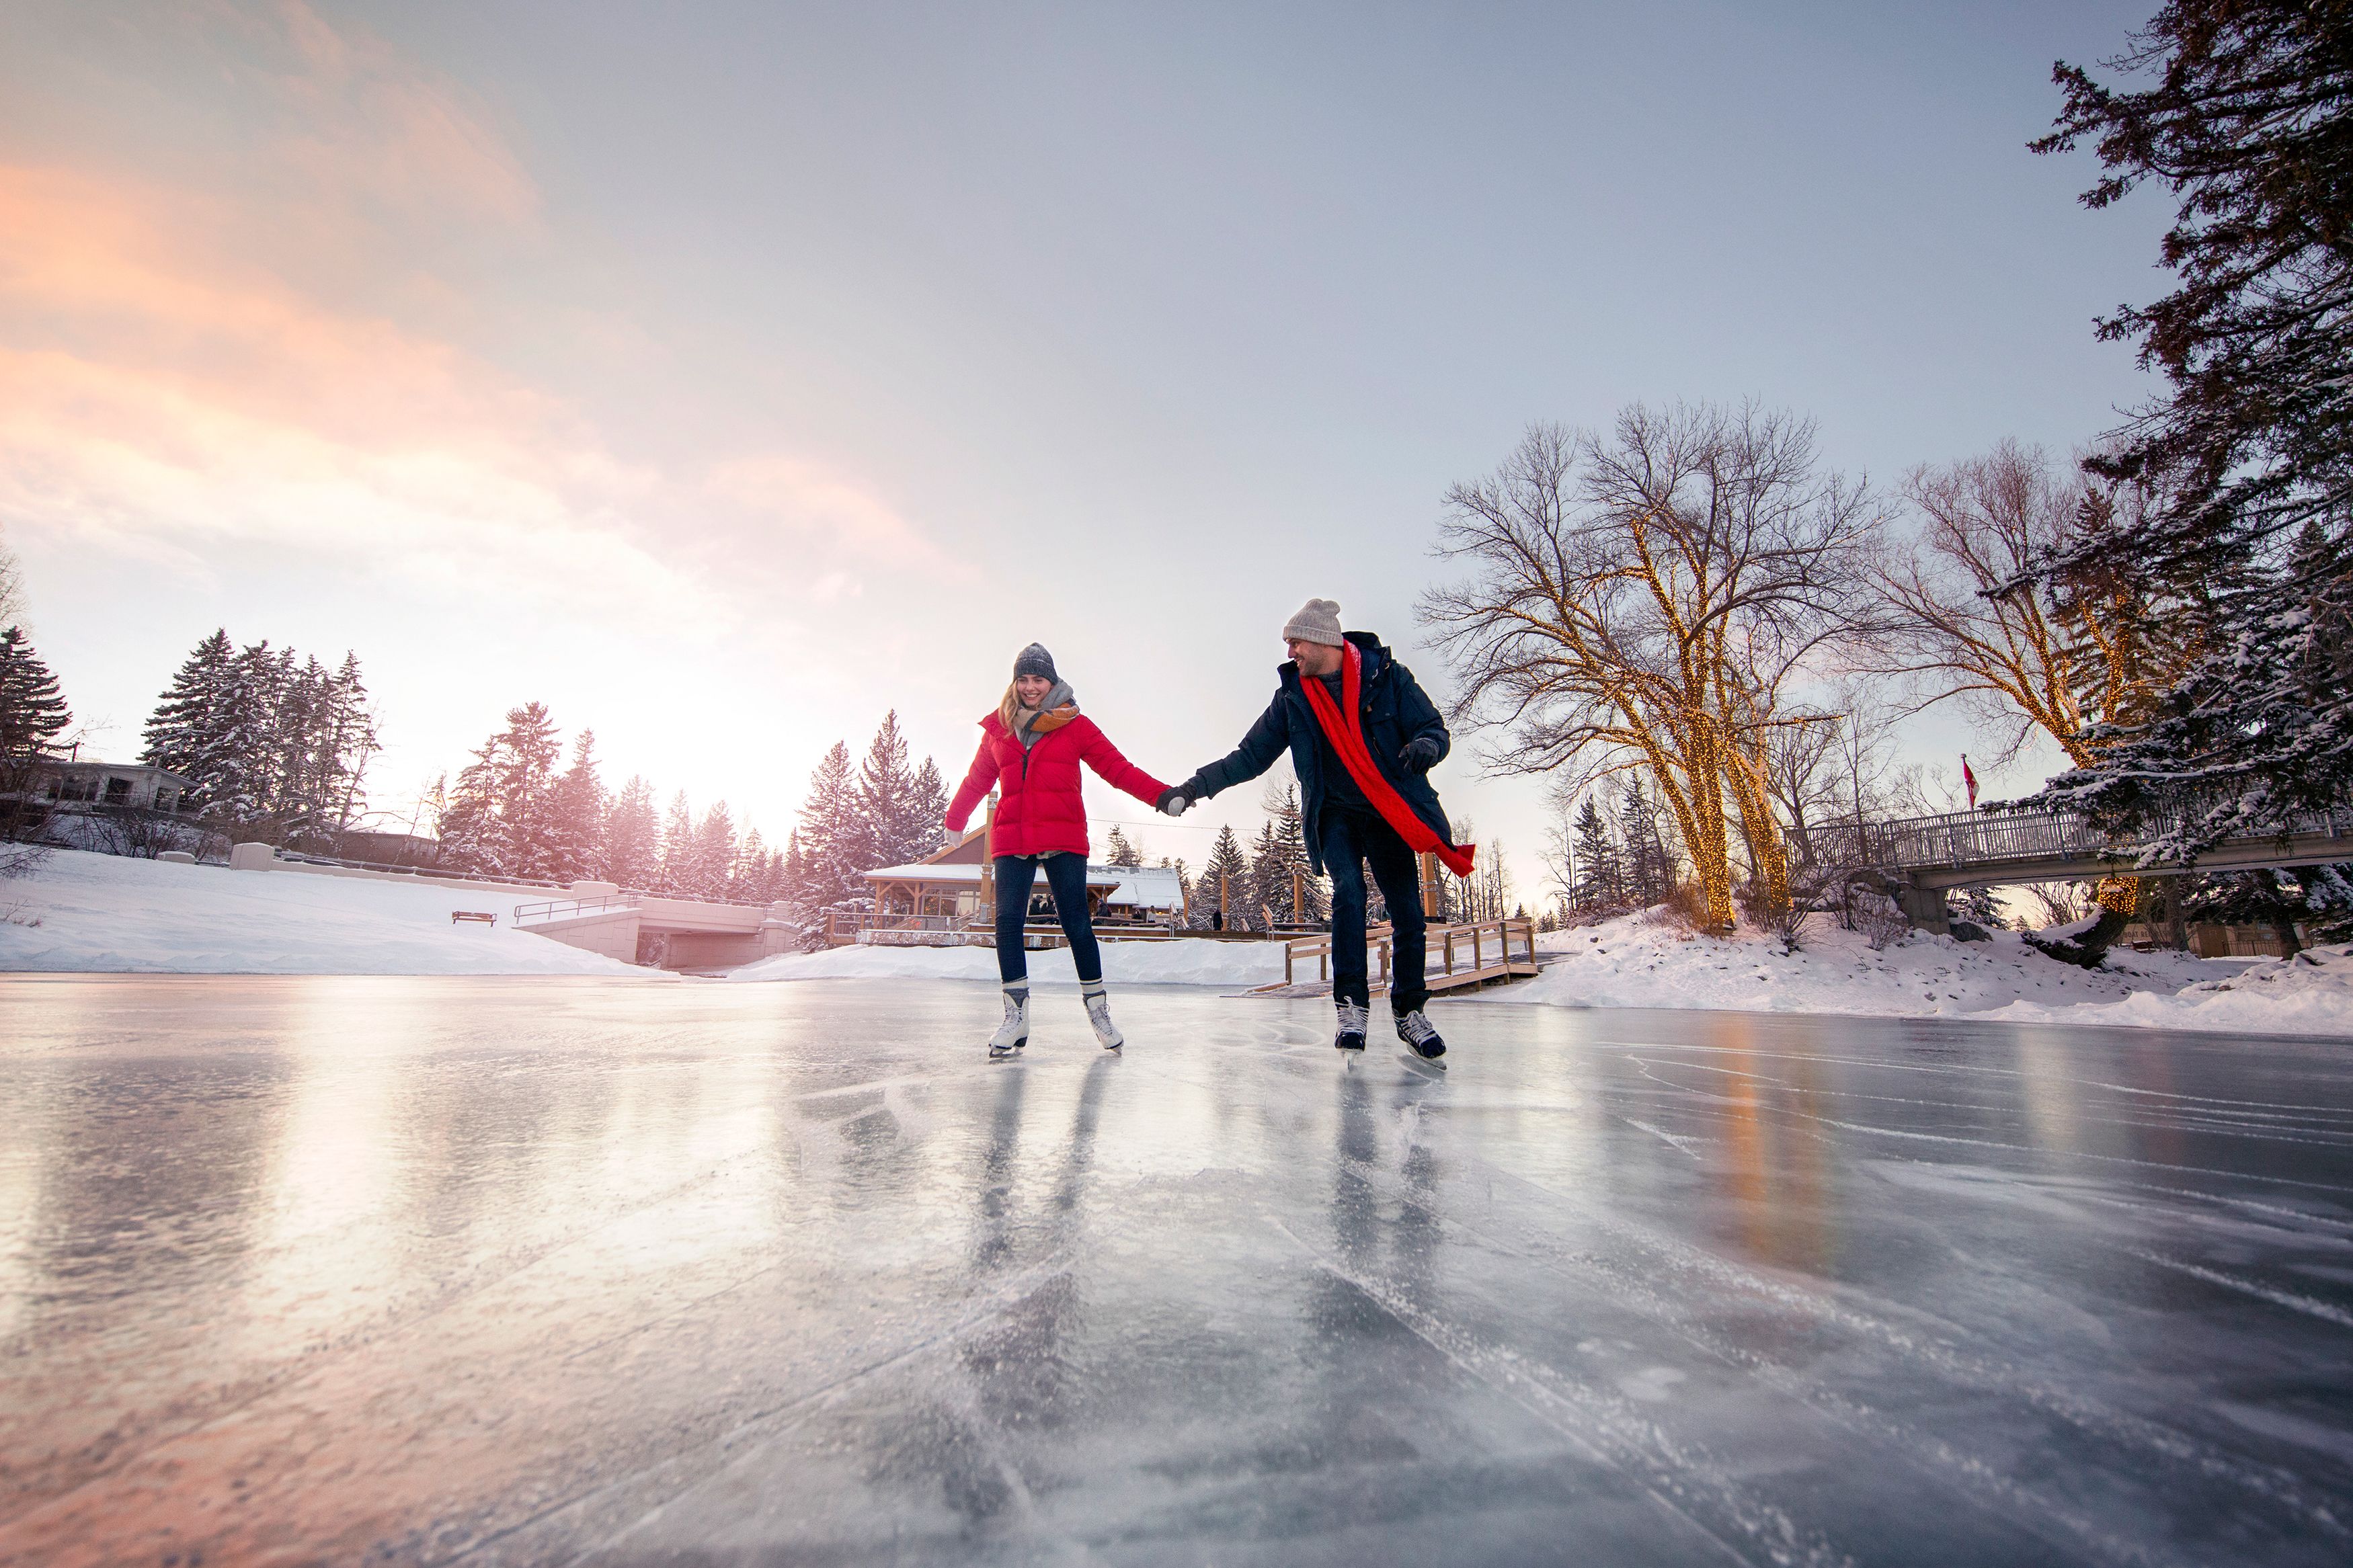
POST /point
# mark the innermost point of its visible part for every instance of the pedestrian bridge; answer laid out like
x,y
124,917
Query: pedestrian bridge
x,y
665,932
1962,849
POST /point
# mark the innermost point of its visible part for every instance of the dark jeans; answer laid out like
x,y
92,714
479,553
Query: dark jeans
x,y
1066,878
1350,840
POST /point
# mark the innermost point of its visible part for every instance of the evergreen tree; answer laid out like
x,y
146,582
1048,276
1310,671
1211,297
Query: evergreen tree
x,y
2243,110
832,832
187,733
1648,871
576,826
677,874
712,862
1980,906
631,854
1291,840
244,787
1118,851
748,882
1268,894
928,813
501,814
885,784
33,711
265,737
1227,869
1599,882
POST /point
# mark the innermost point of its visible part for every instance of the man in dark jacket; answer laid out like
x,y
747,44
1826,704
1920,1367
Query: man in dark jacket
x,y
1346,831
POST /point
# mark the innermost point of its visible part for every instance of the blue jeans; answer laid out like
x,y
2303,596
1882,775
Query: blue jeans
x,y
1351,839
1066,878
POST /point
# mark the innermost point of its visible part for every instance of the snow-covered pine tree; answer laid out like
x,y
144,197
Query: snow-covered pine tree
x,y
33,711
2242,109
747,883
1648,872
244,785
33,714
576,817
631,854
832,833
298,796
676,873
346,741
186,733
1599,882
1977,905
884,791
1268,891
1226,871
1290,835
501,817
711,860
927,811
1117,850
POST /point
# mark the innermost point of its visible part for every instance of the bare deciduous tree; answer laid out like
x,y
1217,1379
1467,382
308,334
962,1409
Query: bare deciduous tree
x,y
1965,621
1643,602
1967,618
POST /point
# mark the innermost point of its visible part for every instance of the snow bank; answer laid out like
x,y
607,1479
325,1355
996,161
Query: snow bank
x,y
81,911
1632,962
1185,962
2311,994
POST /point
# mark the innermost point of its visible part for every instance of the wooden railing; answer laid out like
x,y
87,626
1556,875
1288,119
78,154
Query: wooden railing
x,y
1468,954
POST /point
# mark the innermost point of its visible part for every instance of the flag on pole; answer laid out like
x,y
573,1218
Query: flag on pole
x,y
1969,779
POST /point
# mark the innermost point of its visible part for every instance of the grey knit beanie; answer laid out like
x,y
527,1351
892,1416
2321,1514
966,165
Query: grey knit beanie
x,y
1318,620
1035,660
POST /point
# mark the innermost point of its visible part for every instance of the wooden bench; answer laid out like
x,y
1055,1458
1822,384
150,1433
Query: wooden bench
x,y
485,916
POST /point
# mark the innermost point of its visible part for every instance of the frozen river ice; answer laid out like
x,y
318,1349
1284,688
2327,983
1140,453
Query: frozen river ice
x,y
557,1270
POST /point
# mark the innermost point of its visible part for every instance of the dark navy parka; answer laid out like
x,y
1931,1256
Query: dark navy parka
x,y
1394,712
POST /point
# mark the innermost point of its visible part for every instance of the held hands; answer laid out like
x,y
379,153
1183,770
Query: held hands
x,y
1422,753
1175,801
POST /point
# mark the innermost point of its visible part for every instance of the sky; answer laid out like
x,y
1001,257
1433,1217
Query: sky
x,y
725,374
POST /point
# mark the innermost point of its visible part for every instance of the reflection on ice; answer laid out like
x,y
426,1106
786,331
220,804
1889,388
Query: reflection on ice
x,y
523,1271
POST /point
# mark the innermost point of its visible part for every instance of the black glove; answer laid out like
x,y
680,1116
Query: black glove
x,y
1175,801
1422,753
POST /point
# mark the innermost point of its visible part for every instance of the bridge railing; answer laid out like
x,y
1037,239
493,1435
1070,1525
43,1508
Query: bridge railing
x,y
1986,838
572,909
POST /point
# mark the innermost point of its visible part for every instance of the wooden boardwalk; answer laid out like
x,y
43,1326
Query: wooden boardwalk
x,y
1460,955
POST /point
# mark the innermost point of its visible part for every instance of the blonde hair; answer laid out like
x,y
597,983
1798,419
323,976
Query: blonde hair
x,y
1011,706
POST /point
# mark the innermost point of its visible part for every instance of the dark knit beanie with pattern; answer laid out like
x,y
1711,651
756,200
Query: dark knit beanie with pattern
x,y
1035,660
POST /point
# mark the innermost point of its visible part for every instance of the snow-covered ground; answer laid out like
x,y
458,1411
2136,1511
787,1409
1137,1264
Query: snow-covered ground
x,y
1634,962
1191,962
80,911
97,912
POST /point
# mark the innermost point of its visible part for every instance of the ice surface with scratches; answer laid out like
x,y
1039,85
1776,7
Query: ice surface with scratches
x,y
1185,960
605,1271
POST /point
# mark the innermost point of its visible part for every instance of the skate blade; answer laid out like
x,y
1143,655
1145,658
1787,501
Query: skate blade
x,y
1423,1064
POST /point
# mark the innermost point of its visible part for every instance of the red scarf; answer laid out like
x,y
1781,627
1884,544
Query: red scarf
x,y
1346,731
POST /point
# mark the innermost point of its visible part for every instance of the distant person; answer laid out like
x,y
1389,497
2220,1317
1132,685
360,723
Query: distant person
x,y
1363,737
1030,749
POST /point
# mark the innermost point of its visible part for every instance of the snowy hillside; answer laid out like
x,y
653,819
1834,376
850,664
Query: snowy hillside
x,y
1632,962
81,911
1183,962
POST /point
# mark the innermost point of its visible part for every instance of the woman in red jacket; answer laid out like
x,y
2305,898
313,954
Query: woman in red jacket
x,y
1030,749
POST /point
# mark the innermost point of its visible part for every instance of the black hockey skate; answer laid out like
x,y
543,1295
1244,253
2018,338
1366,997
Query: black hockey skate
x,y
1420,1035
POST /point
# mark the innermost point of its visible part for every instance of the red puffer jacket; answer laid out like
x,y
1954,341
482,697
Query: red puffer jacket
x,y
1039,811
